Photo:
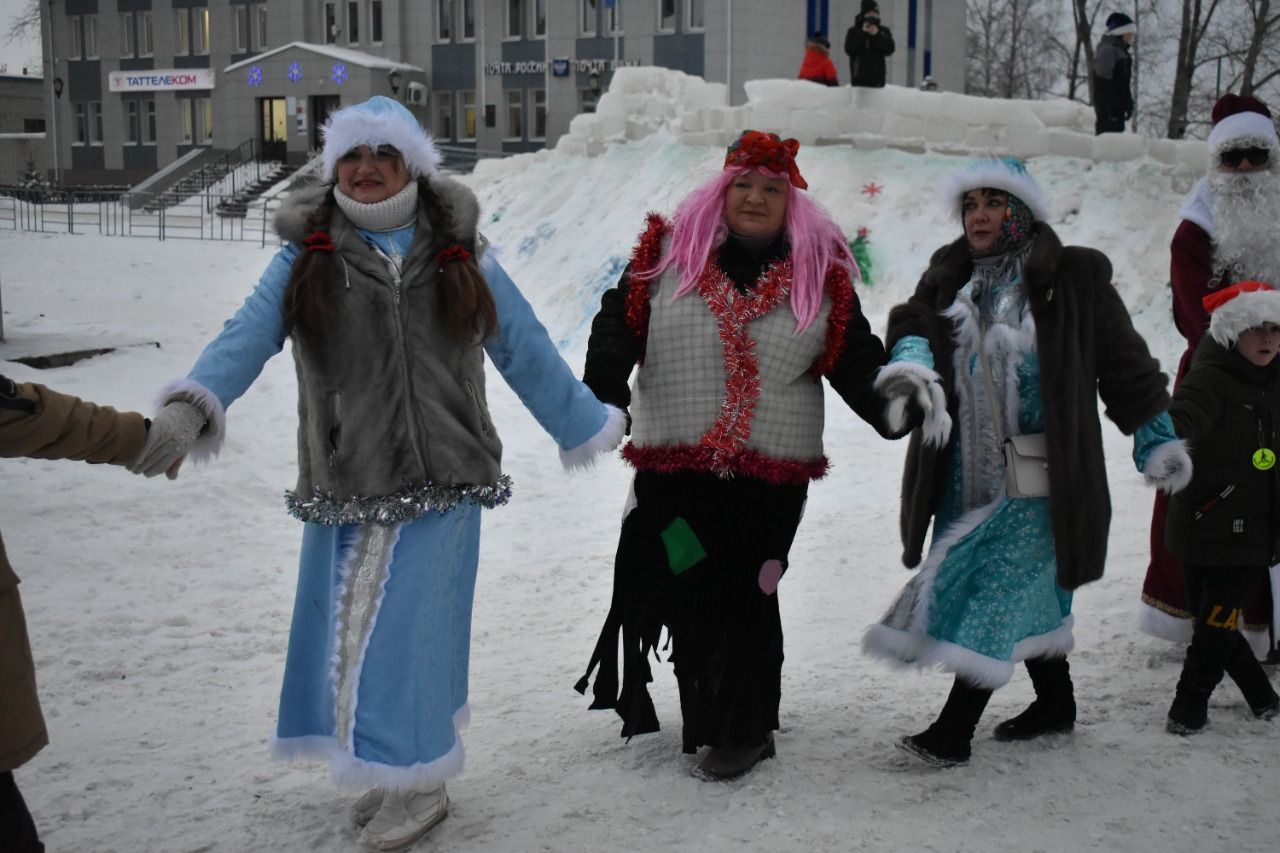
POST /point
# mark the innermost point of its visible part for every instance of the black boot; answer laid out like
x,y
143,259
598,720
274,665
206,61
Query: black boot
x,y
1244,669
1054,708
946,743
1190,709
730,762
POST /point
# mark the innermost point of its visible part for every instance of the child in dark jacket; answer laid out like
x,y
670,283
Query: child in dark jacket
x,y
1225,526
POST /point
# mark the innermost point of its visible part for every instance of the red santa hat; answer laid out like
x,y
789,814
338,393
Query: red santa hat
x,y
1242,306
1241,121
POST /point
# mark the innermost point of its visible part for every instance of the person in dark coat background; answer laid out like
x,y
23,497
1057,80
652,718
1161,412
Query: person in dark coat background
x,y
817,66
1112,69
867,44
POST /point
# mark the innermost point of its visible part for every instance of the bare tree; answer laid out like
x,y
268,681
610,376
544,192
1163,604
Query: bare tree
x,y
26,24
1193,26
1008,41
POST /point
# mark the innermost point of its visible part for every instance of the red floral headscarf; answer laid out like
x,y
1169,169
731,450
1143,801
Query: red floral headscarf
x,y
767,150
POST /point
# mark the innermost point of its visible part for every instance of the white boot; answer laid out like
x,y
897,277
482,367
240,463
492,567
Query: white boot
x,y
366,807
405,817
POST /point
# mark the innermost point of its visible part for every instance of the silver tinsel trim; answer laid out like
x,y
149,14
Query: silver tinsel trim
x,y
404,505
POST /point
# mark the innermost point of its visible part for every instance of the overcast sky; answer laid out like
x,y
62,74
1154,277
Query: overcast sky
x,y
17,54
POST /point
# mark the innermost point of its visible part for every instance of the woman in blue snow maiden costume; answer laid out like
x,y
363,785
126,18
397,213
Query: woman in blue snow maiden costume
x,y
391,304
1020,335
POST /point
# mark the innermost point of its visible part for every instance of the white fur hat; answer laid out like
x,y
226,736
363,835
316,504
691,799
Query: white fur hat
x,y
1008,174
378,121
1240,307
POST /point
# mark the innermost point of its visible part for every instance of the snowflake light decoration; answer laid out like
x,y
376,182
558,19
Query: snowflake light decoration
x,y
255,75
295,71
339,74
872,189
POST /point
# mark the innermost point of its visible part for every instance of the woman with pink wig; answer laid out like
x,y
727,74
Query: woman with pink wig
x,y
733,312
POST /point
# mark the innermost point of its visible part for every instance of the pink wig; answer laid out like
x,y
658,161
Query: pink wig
x,y
816,243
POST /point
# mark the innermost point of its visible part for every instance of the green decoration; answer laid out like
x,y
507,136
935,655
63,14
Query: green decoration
x,y
684,551
861,251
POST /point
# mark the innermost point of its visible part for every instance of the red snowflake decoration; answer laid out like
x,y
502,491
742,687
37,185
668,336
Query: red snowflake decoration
x,y
864,232
872,189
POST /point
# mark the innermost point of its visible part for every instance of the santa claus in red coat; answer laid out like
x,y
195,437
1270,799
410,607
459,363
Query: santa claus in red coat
x,y
1230,231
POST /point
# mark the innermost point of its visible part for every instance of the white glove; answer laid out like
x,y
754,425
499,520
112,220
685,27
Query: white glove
x,y
1168,467
173,431
905,384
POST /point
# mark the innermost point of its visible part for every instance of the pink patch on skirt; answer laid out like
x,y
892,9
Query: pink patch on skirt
x,y
770,574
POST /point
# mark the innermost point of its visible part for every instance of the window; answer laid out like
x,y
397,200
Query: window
x,y
588,12
242,29
666,16
613,18
513,19
539,18
133,122
188,121
126,35
262,27
539,129
33,125
95,122
149,122
330,23
182,32
353,22
90,36
201,21
82,122
204,108
468,104
693,16
146,35
375,21
515,114
443,124
77,37
587,100
444,20
468,20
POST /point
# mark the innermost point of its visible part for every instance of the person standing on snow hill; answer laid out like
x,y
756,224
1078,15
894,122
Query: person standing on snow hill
x,y
867,43
1227,234
39,423
391,304
817,65
1019,335
1112,70
734,312
1225,526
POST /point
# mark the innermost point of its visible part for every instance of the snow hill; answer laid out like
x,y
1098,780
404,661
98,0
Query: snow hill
x,y
159,610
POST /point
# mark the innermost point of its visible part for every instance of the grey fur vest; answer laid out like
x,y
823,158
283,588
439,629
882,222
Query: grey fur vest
x,y
392,421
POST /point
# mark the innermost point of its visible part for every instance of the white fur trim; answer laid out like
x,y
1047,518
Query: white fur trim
x,y
929,396
210,441
1164,626
358,125
606,438
1259,641
998,175
1242,313
349,771
1171,452
1198,207
1122,30
1239,128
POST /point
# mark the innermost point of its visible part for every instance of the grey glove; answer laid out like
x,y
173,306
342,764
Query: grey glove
x,y
173,431
1168,467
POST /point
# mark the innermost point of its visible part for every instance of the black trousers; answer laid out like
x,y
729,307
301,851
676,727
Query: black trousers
x,y
17,829
1215,596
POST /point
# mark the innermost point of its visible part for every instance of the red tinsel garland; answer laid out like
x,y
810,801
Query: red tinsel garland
x,y
644,257
843,303
745,462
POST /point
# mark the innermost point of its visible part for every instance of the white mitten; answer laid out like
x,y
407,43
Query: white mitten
x,y
1168,467
906,384
173,431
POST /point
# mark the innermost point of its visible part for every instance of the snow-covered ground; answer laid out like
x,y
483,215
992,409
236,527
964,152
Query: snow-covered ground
x,y
159,610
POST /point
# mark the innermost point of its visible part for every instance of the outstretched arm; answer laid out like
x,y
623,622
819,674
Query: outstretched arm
x,y
40,423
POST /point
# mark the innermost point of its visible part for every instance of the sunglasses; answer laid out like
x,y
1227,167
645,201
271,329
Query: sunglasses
x,y
381,153
1255,156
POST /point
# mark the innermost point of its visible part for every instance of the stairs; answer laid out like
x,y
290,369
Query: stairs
x,y
237,206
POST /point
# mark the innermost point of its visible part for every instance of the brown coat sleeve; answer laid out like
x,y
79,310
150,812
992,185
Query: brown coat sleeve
x,y
43,424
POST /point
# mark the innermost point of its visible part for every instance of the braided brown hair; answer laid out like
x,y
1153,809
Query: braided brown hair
x,y
466,302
